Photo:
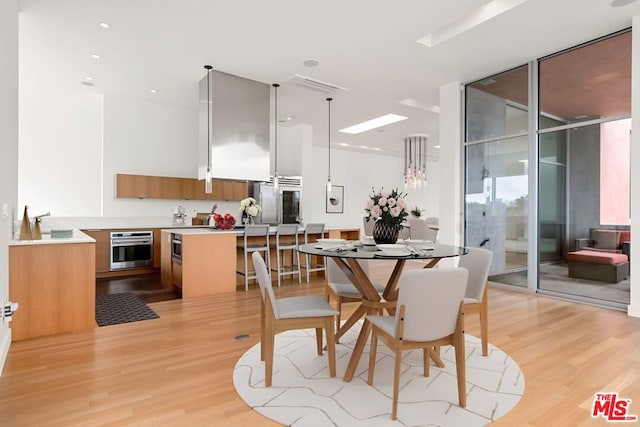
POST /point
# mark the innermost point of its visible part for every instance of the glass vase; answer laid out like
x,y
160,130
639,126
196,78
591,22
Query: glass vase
x,y
385,233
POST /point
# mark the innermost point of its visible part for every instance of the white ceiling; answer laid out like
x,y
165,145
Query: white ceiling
x,y
367,46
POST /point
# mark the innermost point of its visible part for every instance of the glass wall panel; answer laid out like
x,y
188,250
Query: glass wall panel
x,y
589,82
496,202
497,106
579,168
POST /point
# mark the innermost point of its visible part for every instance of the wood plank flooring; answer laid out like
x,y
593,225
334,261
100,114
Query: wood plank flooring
x,y
177,370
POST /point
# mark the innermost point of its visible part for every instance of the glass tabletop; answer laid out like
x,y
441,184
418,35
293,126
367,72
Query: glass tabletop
x,y
351,249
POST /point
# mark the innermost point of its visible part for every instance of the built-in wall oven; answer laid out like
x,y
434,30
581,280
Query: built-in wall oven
x,y
131,249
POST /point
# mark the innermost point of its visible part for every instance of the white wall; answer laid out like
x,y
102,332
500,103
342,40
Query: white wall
x,y
358,172
634,304
9,149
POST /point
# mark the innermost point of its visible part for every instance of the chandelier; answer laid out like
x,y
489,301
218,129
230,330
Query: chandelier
x,y
415,161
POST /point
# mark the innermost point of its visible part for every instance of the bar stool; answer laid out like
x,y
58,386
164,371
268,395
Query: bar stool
x,y
313,229
255,245
290,242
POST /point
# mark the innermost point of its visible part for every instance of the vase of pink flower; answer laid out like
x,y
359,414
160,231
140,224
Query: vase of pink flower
x,y
388,210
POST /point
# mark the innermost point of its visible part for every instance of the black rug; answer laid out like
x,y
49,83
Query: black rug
x,y
121,308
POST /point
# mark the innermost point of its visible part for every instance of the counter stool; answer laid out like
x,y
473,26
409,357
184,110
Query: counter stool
x,y
287,239
313,229
254,245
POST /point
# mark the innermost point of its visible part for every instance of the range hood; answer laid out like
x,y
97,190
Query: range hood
x,y
239,127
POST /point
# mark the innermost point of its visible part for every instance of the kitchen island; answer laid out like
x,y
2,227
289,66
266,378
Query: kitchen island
x,y
53,281
209,258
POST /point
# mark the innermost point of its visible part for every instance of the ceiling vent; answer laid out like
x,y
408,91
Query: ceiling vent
x,y
314,84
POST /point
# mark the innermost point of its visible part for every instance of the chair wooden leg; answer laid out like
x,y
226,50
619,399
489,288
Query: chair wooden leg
x,y
484,322
331,346
268,366
319,341
263,342
338,317
372,357
396,381
425,361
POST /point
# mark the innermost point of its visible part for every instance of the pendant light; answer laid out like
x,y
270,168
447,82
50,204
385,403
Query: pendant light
x,y
415,161
329,149
208,184
275,124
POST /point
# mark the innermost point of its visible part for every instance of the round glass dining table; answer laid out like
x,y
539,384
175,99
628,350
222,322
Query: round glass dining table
x,y
346,256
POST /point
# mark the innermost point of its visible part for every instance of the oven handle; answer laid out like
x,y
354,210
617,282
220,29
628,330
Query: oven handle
x,y
131,243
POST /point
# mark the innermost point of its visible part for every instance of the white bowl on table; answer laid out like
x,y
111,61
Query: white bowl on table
x,y
368,240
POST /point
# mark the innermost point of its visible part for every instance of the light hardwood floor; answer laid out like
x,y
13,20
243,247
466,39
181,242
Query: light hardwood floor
x,y
177,370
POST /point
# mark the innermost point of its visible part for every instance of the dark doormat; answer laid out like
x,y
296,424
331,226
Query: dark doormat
x,y
126,307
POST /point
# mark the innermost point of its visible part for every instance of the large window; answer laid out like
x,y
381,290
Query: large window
x,y
582,168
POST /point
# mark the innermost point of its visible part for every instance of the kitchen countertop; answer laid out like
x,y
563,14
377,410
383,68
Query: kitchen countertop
x,y
78,237
238,231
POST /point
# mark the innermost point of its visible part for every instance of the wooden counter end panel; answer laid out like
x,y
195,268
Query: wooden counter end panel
x,y
55,287
208,264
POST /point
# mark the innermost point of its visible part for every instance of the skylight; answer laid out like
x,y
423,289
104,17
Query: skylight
x,y
373,123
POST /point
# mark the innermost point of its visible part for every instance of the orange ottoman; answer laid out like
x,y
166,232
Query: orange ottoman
x,y
609,267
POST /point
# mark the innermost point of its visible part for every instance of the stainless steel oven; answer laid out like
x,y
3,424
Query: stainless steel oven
x,y
176,248
131,249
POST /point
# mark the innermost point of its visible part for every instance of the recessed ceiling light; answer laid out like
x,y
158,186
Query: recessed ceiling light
x,y
153,91
289,118
87,83
436,146
373,123
88,78
105,25
620,3
95,56
310,63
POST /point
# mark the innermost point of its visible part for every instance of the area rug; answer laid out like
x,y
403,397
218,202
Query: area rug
x,y
125,307
303,394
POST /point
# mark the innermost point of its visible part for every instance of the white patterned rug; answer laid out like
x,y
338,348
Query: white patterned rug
x,y
303,394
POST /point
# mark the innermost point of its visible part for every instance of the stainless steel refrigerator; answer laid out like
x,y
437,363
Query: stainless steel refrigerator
x,y
278,207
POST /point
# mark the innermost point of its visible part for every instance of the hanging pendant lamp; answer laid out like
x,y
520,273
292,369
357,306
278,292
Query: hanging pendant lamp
x,y
208,184
415,161
329,149
275,125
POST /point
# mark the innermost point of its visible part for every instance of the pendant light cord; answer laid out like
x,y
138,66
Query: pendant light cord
x,y
329,141
275,123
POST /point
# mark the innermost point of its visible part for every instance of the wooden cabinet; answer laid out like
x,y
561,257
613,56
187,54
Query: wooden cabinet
x,y
162,187
55,287
103,248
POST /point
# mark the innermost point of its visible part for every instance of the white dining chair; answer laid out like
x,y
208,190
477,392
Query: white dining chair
x,y
429,314
279,315
478,262
418,229
342,290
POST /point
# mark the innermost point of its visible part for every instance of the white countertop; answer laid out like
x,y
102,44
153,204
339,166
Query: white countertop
x,y
237,231
78,237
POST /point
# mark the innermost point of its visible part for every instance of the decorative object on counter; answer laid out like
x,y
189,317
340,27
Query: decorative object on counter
x,y
222,222
389,211
415,161
249,208
329,149
25,227
335,199
275,127
61,234
417,212
179,215
208,185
